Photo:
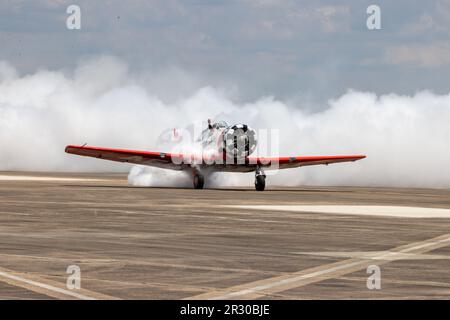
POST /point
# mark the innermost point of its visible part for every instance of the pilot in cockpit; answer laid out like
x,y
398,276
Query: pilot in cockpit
x,y
212,130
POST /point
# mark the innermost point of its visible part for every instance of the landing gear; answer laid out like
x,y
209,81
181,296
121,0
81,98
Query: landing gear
x,y
260,179
199,180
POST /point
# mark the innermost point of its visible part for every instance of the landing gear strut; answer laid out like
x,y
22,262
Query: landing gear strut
x,y
260,179
199,180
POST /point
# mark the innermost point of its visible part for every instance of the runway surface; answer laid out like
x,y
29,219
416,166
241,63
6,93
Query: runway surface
x,y
164,243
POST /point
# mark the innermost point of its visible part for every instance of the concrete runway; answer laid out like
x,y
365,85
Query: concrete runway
x,y
163,243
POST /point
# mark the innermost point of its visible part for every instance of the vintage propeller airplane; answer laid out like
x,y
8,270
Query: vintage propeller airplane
x,y
225,148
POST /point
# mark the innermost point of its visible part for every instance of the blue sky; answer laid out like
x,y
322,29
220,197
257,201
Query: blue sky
x,y
288,49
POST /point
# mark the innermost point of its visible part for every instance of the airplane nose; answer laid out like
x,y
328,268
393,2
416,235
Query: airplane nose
x,y
239,140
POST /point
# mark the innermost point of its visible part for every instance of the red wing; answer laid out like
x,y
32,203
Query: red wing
x,y
293,162
285,162
155,159
175,161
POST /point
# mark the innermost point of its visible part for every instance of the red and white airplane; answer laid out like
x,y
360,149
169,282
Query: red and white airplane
x,y
225,148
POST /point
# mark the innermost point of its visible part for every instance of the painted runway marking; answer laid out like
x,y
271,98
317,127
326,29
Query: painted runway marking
x,y
383,211
270,286
16,213
44,287
40,178
375,255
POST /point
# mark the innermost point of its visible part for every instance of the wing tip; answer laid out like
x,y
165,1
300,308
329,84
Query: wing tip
x,y
358,157
71,147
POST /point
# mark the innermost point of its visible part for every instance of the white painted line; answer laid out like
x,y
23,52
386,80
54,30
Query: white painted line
x,y
45,286
375,255
428,244
16,213
288,280
385,211
40,178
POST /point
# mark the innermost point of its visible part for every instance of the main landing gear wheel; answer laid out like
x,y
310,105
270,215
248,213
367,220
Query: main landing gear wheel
x,y
260,179
199,181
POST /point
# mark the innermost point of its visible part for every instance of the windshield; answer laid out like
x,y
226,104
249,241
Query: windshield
x,y
222,124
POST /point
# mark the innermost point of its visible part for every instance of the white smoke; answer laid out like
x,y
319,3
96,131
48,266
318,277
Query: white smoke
x,y
406,138
155,177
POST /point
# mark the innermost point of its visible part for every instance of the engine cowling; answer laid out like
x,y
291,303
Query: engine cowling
x,y
239,141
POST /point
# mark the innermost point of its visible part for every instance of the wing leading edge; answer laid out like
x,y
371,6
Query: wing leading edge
x,y
155,159
182,161
294,162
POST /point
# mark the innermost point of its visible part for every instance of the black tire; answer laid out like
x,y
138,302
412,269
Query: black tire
x,y
199,181
260,183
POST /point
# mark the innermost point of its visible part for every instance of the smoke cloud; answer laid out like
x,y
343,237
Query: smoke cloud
x,y
406,138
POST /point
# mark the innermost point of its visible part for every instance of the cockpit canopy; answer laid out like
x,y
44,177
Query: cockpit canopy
x,y
216,125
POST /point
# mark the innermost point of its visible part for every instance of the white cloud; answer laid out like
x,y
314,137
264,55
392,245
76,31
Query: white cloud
x,y
425,23
421,55
330,17
443,9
